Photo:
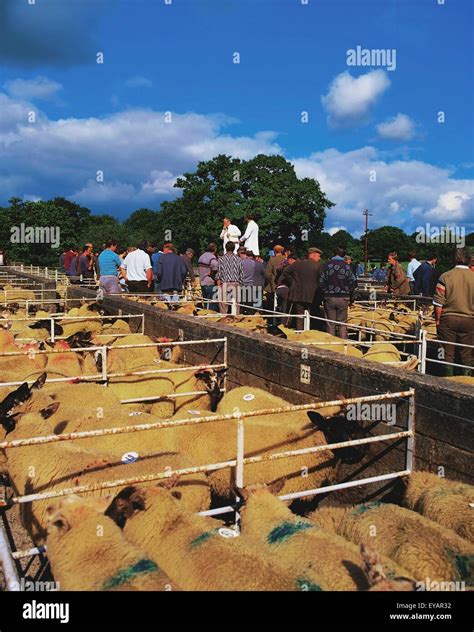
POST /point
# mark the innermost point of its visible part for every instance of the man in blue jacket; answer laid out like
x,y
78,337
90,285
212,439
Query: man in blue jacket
x,y
425,277
171,272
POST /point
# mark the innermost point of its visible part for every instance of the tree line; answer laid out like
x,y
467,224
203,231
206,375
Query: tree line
x,y
289,210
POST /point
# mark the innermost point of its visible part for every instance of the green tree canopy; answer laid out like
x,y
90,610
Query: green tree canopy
x,y
287,209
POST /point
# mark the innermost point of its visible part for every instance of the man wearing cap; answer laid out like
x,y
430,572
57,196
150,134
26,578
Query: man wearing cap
x,y
304,275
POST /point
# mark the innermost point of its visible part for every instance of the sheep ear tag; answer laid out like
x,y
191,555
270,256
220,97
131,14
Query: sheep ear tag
x,y
194,412
248,397
130,457
228,533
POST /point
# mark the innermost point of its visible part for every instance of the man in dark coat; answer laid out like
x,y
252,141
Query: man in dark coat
x,y
304,276
425,278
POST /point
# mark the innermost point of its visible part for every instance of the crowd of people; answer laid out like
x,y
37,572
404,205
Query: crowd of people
x,y
283,283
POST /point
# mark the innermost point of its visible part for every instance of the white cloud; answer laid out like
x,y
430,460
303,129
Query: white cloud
x,y
349,98
39,88
400,127
453,206
138,82
141,156
404,190
335,229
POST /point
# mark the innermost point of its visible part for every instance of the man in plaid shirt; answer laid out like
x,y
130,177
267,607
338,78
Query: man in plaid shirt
x,y
229,278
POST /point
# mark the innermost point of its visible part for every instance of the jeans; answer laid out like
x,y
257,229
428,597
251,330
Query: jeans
x,y
109,285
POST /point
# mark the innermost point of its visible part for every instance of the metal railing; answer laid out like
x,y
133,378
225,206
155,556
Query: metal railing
x,y
238,463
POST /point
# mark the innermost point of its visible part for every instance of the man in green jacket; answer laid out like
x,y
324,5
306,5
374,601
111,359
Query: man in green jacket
x,y
454,310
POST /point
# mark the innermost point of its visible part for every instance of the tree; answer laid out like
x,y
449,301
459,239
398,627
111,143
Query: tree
x,y
36,232
287,209
387,239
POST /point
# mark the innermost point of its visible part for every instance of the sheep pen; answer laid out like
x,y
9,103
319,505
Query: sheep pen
x,y
184,432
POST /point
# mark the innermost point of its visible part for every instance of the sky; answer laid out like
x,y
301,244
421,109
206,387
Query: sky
x,y
390,129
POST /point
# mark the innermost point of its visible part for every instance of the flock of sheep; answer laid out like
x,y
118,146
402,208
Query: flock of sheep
x,y
147,535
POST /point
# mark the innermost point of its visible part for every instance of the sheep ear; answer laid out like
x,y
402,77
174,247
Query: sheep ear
x,y
317,419
276,487
137,500
170,482
47,412
61,523
39,382
243,493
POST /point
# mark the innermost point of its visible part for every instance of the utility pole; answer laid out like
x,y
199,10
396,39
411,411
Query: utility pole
x,y
366,244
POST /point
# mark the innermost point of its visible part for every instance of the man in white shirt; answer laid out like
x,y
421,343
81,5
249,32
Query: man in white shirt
x,y
138,269
250,237
412,266
230,232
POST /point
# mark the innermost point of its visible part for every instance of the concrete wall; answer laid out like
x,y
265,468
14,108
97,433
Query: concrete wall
x,y
444,410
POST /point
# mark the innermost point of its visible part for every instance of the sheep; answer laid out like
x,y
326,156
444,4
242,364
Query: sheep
x,y
210,380
264,434
65,364
326,559
135,386
194,550
449,503
322,339
423,547
105,412
122,360
377,577
60,465
87,551
17,367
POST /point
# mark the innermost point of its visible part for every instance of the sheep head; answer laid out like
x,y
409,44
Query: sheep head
x,y
131,501
14,399
376,576
213,381
337,430
273,488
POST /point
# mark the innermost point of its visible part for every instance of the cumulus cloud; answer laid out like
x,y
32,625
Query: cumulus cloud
x,y
138,151
49,32
453,206
400,127
349,98
404,191
39,88
138,82
141,155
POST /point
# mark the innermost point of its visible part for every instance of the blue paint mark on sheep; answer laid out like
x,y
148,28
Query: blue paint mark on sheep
x,y
307,586
360,509
463,565
139,568
203,537
287,529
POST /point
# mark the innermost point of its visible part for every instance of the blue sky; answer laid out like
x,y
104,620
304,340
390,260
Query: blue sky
x,y
363,120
